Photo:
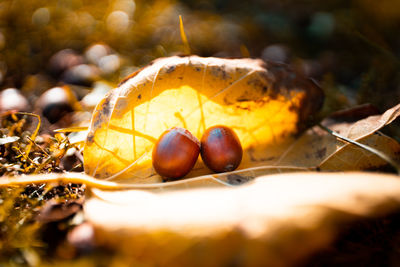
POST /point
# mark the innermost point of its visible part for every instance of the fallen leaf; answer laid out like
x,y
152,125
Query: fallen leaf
x,y
8,139
351,157
276,220
319,148
372,124
265,103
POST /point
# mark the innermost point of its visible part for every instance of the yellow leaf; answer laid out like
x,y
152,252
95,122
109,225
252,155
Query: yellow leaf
x,y
265,104
276,220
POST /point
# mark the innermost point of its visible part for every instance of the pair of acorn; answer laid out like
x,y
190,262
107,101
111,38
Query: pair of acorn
x,y
177,150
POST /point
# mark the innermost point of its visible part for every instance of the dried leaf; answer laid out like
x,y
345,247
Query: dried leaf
x,y
350,157
276,220
264,103
318,148
8,139
373,123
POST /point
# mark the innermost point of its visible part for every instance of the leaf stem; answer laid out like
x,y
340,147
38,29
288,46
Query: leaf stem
x,y
35,133
90,181
185,42
367,148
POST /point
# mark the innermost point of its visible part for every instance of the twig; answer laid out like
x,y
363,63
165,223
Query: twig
x,y
35,133
368,148
90,181
185,42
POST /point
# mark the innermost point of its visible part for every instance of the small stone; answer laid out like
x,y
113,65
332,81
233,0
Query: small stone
x,y
97,51
277,53
82,237
64,60
55,103
12,99
83,74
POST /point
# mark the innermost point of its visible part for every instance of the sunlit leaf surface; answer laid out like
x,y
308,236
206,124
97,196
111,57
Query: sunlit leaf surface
x,y
264,103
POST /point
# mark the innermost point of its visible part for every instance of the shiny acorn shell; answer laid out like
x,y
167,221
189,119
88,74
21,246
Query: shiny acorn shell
x,y
221,150
175,153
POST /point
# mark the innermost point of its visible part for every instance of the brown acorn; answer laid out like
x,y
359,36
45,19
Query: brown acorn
x,y
221,150
13,99
56,103
63,60
175,153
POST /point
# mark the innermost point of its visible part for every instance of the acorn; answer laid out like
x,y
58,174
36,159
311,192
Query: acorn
x,y
175,153
56,102
97,51
221,150
83,74
64,60
13,99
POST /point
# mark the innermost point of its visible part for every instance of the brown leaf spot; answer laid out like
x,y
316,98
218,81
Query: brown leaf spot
x,y
90,138
320,153
220,72
170,69
235,179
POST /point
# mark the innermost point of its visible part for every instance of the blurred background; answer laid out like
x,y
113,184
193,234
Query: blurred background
x,y
350,47
58,58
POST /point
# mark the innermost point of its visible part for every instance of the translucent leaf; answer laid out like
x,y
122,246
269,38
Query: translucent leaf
x,y
264,103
